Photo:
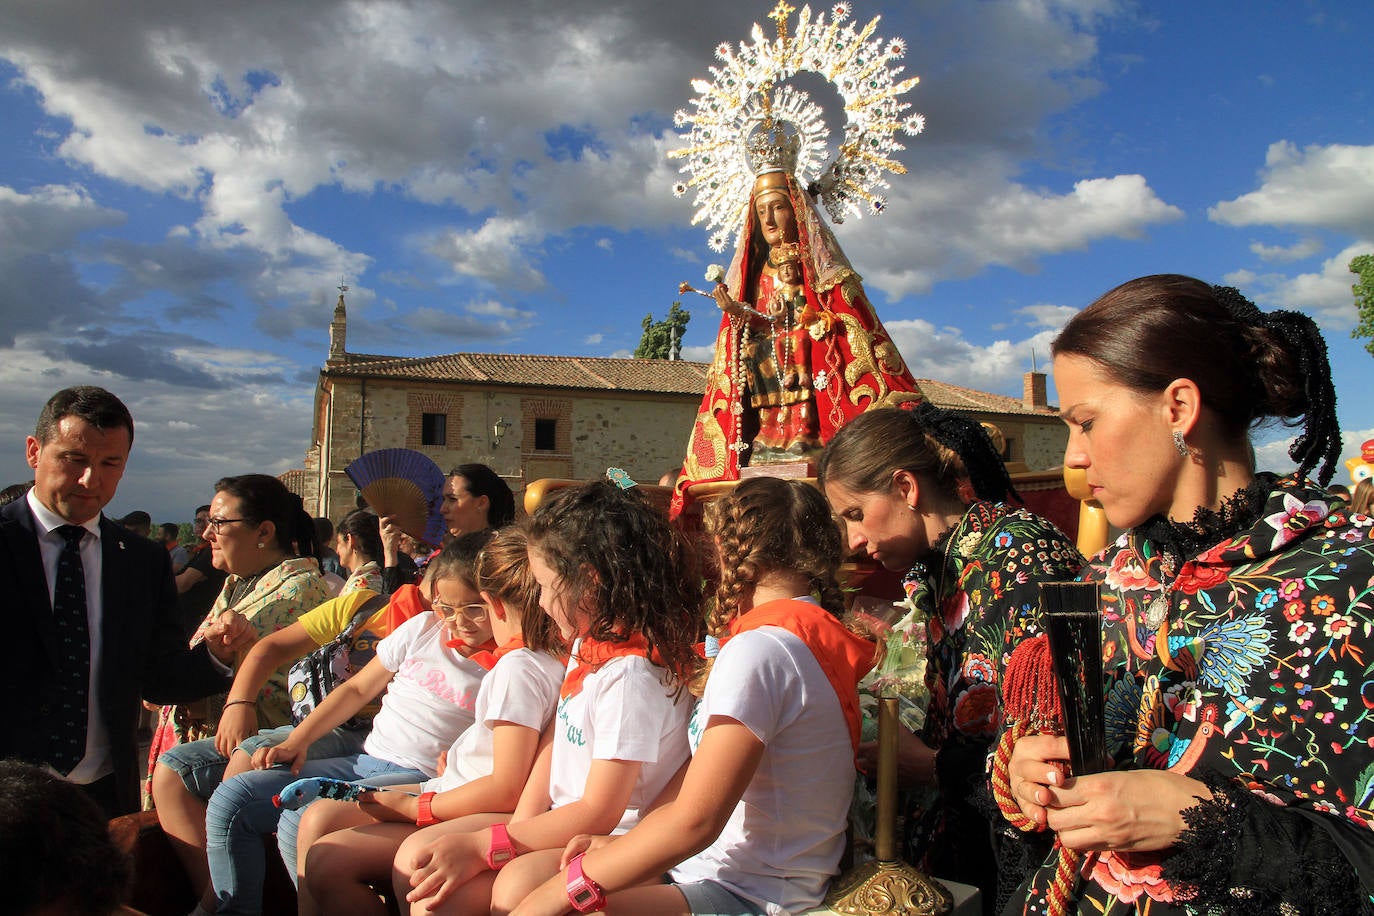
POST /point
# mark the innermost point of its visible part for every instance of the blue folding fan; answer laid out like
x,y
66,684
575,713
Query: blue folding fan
x,y
403,483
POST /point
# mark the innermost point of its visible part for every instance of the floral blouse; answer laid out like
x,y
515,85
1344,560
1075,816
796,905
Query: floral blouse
x,y
285,592
977,598
1253,673
368,576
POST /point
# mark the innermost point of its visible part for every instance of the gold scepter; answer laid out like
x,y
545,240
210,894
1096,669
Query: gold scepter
x,y
887,885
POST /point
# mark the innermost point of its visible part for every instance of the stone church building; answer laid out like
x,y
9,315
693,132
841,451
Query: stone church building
x,y
530,416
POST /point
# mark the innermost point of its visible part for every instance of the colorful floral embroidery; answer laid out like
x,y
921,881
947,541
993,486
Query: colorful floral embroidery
x,y
1264,635
973,603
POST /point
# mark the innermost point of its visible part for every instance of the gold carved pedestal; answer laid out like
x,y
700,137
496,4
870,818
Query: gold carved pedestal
x,y
887,885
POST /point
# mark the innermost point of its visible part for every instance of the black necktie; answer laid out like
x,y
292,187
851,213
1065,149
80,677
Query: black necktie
x,y
74,648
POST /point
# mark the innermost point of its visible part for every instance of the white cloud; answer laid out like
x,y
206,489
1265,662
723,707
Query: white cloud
x,y
245,112
1330,187
495,252
493,309
702,353
181,447
945,354
1271,451
1049,316
957,223
1280,254
1326,294
593,340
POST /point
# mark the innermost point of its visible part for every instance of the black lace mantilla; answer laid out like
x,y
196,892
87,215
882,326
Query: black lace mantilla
x,y
1181,541
1236,857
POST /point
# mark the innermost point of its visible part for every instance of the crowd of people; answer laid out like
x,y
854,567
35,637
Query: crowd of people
x,y
591,708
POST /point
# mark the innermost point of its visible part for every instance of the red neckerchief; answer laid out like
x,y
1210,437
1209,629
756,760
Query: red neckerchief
x,y
484,655
515,642
405,603
845,657
592,654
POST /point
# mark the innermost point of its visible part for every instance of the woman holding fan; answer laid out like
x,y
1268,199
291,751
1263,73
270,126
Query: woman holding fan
x,y
1236,624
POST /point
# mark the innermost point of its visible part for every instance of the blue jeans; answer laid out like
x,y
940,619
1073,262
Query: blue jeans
x,y
201,767
241,813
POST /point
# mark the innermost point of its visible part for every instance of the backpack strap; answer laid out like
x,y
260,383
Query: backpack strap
x,y
362,615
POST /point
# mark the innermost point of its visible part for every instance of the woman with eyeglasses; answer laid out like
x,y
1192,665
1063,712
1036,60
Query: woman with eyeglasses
x,y
260,535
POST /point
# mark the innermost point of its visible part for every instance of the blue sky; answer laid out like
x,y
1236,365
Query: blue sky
x,y
183,184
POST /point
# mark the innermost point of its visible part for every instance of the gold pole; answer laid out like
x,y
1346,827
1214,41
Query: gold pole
x,y
887,885
885,839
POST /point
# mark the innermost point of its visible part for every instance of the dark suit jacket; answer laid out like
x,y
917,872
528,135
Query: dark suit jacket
x,y
144,652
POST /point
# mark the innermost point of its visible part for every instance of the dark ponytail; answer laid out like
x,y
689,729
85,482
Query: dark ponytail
x,y
939,446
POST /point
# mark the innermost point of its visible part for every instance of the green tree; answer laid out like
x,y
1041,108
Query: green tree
x,y
1363,266
663,339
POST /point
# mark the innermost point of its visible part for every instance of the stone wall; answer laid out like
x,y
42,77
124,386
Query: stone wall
x,y
644,434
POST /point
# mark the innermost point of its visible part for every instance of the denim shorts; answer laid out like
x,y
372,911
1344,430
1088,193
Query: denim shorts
x,y
201,767
708,898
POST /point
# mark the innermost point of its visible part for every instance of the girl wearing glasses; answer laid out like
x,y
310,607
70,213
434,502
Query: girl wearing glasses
x,y
485,769
430,668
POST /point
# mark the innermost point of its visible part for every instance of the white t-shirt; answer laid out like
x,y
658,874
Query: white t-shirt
x,y
522,688
624,711
429,702
783,841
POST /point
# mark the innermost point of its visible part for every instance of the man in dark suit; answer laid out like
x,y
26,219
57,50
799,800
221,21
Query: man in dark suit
x,y
91,609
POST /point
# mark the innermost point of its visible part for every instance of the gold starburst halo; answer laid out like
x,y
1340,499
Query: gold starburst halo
x,y
747,97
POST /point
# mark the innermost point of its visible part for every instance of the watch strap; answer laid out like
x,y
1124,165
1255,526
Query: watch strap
x,y
585,895
424,810
501,850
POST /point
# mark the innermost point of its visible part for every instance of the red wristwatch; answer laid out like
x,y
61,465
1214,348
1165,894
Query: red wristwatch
x,y
502,850
585,895
424,816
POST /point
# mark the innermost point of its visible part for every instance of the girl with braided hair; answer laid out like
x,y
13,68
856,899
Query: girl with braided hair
x,y
755,824
1236,622
921,492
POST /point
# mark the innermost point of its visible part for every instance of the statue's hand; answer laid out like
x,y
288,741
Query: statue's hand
x,y
727,305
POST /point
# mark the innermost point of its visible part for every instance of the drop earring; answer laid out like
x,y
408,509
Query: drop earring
x,y
1180,444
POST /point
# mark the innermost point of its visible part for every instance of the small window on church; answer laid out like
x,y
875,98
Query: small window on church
x,y
434,429
545,435
1008,450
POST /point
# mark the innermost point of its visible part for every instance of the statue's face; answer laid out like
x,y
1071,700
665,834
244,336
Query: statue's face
x,y
790,272
777,220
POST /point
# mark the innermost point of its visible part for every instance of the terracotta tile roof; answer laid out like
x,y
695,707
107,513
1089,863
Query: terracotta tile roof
x,y
657,376
957,397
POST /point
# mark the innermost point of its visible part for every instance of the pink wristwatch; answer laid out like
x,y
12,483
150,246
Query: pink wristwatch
x,y
585,895
502,850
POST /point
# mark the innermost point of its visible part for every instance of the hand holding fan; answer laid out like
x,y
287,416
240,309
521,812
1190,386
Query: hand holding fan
x,y
1073,619
404,484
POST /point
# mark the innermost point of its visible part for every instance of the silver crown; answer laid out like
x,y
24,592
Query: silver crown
x,y
771,148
